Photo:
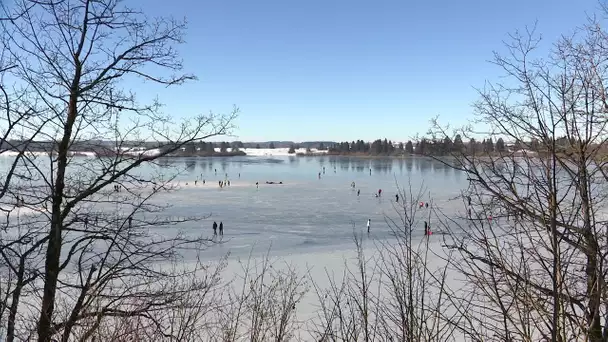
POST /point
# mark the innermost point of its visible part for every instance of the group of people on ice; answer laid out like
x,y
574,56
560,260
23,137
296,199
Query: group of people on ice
x,y
215,226
427,226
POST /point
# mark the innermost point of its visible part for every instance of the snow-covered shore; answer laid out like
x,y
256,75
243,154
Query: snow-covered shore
x,y
260,152
44,154
253,152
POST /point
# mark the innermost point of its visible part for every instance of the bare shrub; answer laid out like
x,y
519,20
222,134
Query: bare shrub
x,y
260,305
392,291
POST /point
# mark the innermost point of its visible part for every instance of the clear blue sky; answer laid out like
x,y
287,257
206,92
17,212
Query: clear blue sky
x,y
344,70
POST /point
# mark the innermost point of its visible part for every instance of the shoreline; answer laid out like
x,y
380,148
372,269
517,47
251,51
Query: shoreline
x,y
293,155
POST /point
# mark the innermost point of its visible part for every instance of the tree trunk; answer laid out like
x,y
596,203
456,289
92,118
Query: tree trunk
x,y
53,252
592,251
10,330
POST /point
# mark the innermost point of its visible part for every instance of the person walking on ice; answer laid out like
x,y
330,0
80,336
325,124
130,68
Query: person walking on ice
x,y
214,228
397,198
358,192
221,228
369,223
427,229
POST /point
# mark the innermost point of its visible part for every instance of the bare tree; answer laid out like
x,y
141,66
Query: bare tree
x,y
348,306
534,246
261,303
416,304
84,240
393,291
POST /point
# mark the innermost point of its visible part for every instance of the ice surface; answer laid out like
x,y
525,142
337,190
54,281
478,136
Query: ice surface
x,y
314,209
305,213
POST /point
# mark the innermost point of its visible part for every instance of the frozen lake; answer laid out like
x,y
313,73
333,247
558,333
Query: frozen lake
x,y
307,213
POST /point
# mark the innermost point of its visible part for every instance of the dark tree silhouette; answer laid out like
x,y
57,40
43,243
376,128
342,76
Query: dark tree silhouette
x,y
458,144
74,257
409,147
540,273
500,145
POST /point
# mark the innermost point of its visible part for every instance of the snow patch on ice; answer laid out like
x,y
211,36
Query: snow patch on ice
x,y
261,152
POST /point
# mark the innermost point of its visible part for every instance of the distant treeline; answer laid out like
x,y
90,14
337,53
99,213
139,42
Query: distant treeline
x,y
286,144
379,147
204,148
384,147
106,145
425,146
441,147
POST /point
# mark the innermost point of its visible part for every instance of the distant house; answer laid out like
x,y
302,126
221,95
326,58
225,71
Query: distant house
x,y
140,151
525,152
